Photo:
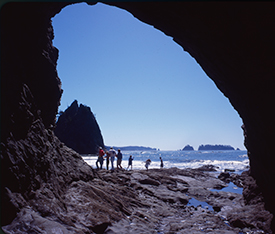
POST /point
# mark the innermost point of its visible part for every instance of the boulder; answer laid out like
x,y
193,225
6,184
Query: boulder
x,y
207,168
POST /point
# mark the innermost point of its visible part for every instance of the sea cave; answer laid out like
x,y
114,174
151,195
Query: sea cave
x,y
232,41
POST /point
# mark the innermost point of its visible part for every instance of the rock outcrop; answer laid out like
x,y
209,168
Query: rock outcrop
x,y
154,201
232,41
188,147
215,147
79,130
37,169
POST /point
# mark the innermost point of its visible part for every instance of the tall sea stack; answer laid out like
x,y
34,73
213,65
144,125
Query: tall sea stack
x,y
79,130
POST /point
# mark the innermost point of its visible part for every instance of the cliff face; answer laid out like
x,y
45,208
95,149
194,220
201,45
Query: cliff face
x,y
231,41
36,167
79,130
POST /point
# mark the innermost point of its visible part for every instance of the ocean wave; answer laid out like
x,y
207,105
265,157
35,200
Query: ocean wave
x,y
219,164
243,156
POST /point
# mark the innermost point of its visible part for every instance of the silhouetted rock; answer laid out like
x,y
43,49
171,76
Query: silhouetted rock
x,y
225,176
207,168
215,147
79,130
188,148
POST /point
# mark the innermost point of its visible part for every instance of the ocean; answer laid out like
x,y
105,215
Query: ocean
x,y
231,159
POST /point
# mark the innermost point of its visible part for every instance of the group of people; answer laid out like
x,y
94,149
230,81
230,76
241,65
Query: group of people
x,y
111,155
148,162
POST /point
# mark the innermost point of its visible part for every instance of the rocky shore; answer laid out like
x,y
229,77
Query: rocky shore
x,y
47,188
155,201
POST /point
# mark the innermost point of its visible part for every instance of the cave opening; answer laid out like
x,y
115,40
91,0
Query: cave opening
x,y
32,103
139,83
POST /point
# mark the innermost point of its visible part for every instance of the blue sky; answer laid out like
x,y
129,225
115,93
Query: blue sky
x,y
143,88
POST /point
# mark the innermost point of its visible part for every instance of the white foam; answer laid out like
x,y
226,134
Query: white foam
x,y
138,165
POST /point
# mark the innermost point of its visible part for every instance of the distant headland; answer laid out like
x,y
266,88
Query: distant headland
x,y
209,147
215,147
132,148
186,148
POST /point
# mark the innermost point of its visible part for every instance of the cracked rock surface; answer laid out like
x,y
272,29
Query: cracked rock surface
x,y
153,201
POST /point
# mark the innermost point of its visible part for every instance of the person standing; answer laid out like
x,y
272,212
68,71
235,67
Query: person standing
x,y
119,159
130,162
107,160
161,162
100,158
112,155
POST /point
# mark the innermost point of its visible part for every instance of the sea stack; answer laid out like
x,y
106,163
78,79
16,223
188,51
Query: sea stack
x,y
79,130
188,148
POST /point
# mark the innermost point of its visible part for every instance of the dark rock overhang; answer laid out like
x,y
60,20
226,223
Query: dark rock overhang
x,y
232,41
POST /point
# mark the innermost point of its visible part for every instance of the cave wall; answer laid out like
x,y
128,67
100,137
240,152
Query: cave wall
x,y
35,165
233,43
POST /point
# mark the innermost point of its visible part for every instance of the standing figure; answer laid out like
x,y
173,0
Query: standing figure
x,y
119,159
130,162
112,155
100,158
107,160
161,162
147,163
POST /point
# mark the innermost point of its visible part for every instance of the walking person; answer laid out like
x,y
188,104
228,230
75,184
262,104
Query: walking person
x,y
119,159
147,163
130,162
100,158
112,155
161,162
